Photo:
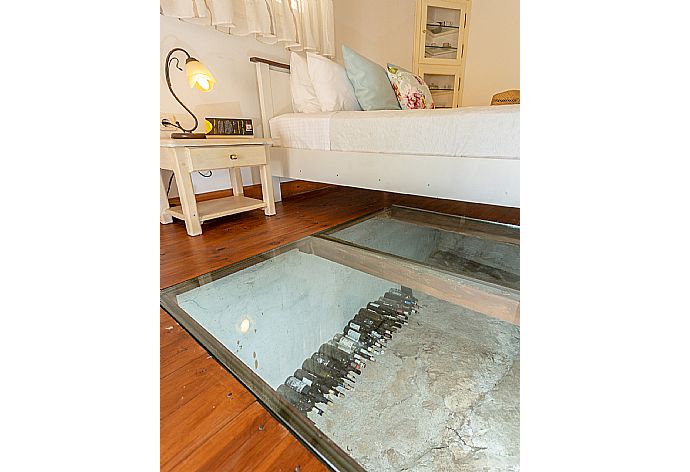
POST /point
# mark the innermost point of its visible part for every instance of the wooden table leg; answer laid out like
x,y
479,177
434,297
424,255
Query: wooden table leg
x,y
187,198
236,181
165,216
267,189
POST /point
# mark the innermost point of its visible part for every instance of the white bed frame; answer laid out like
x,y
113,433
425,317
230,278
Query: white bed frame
x,y
494,181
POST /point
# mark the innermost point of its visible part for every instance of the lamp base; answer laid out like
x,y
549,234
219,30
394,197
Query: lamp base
x,y
188,136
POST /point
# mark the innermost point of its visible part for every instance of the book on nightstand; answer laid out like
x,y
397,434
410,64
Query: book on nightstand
x,y
229,128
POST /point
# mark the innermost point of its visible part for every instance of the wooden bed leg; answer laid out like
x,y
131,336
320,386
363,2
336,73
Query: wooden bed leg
x,y
267,191
277,194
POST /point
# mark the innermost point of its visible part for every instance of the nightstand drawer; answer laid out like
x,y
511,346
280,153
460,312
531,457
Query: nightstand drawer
x,y
204,158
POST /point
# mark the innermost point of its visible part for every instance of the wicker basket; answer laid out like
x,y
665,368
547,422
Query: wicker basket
x,y
509,97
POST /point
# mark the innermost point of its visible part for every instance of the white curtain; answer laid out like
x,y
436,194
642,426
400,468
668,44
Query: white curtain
x,y
301,25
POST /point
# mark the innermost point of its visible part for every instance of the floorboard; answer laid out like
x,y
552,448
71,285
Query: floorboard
x,y
209,421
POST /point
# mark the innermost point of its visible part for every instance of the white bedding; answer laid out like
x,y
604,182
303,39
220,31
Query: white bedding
x,y
492,131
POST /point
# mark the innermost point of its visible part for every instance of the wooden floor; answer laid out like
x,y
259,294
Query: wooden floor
x,y
209,421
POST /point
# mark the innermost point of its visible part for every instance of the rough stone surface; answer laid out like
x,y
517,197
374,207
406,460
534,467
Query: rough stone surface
x,y
443,397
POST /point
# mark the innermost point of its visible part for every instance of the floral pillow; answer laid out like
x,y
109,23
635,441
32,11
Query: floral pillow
x,y
410,89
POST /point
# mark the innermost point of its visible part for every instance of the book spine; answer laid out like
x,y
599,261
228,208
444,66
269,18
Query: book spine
x,y
230,127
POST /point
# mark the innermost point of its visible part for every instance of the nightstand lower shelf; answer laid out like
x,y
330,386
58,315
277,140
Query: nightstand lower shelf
x,y
220,207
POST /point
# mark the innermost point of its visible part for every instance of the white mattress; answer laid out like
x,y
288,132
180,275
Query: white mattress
x,y
492,131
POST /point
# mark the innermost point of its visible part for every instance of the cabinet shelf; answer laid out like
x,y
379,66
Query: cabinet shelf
x,y
436,28
433,51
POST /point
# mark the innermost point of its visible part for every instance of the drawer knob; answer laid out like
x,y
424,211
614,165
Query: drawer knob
x,y
233,157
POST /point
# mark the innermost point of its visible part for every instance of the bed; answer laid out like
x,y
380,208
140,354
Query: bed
x,y
468,154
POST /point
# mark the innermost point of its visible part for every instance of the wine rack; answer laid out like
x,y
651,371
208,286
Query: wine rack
x,y
332,370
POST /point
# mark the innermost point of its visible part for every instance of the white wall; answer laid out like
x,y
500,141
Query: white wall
x,y
381,30
493,50
235,94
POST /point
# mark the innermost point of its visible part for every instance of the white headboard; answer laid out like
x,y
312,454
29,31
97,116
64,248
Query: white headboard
x,y
275,99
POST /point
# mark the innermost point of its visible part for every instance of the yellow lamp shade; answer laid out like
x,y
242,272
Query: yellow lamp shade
x,y
199,76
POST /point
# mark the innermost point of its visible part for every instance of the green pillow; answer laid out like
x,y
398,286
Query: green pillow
x,y
370,81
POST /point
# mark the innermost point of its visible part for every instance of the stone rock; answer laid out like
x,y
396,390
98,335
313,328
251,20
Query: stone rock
x,y
443,397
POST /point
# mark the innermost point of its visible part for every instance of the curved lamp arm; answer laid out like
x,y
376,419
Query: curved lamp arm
x,y
168,61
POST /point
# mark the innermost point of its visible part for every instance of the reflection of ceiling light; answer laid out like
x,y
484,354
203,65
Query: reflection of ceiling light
x,y
244,325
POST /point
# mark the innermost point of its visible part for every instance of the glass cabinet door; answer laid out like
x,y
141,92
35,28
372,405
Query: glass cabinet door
x,y
443,25
443,82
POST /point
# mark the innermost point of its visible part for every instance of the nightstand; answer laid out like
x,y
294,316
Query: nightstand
x,y
184,156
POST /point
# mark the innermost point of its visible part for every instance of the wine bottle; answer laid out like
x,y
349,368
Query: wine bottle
x,y
306,388
342,361
401,299
326,375
331,364
396,295
368,327
353,367
390,309
350,344
363,338
401,312
359,336
385,320
408,291
372,325
303,403
315,381
399,307
362,328
358,358
341,356
386,313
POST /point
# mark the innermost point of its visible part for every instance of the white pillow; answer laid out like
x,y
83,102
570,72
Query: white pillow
x,y
303,96
332,87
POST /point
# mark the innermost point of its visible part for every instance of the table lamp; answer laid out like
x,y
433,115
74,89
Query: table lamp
x,y
199,78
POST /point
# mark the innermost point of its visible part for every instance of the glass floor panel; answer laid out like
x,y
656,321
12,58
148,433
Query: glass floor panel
x,y
371,355
482,250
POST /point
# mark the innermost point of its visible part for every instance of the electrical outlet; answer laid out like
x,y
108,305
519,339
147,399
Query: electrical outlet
x,y
172,118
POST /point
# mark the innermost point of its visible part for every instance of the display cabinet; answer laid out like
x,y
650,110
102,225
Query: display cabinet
x,y
441,48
